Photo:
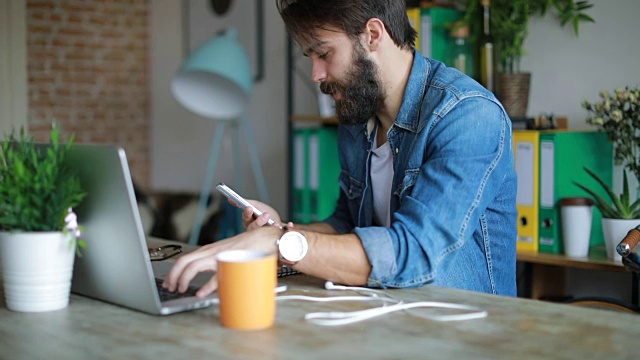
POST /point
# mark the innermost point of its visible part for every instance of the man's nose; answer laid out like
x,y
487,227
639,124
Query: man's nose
x,y
318,71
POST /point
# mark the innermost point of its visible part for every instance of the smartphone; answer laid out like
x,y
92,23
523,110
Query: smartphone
x,y
239,200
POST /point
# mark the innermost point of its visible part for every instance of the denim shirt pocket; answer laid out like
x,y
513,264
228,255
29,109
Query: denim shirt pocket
x,y
353,190
408,180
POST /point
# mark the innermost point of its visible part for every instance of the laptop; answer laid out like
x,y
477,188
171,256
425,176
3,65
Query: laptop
x,y
116,265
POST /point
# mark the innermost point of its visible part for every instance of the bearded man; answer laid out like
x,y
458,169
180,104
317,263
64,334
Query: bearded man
x,y
427,187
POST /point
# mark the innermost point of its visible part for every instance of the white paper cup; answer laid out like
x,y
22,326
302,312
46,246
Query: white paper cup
x,y
577,214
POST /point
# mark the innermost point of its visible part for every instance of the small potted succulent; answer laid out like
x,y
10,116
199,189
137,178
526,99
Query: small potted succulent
x,y
618,206
619,213
39,233
617,114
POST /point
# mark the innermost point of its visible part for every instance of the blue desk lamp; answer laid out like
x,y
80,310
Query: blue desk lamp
x,y
216,82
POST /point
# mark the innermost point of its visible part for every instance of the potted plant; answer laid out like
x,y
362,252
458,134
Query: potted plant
x,y
619,214
509,23
38,229
618,115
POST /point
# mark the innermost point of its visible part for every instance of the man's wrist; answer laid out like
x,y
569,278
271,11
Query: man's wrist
x,y
292,247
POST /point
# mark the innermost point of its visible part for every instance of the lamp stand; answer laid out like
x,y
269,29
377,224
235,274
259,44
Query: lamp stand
x,y
213,163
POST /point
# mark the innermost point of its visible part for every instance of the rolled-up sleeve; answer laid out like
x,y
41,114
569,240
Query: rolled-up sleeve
x,y
378,245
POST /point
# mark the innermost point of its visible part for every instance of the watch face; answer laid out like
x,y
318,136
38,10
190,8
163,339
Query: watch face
x,y
293,246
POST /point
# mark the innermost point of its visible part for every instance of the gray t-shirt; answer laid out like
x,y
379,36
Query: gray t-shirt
x,y
381,179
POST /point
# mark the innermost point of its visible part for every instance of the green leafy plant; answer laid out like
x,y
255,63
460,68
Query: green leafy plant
x,y
38,189
619,207
510,23
618,115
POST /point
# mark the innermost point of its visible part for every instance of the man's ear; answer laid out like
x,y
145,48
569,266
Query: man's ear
x,y
374,31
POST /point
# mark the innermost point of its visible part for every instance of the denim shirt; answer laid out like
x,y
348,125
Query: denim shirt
x,y
453,197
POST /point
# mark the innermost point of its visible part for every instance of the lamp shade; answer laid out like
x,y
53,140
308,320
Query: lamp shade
x,y
216,80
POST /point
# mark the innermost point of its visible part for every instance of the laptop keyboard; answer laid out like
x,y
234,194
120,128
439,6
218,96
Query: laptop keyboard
x,y
286,271
166,295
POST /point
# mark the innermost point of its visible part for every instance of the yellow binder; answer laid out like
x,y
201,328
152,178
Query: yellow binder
x,y
414,19
526,145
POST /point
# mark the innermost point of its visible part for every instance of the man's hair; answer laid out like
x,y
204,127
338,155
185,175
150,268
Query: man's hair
x,y
303,18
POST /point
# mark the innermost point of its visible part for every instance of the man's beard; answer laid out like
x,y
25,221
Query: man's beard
x,y
362,93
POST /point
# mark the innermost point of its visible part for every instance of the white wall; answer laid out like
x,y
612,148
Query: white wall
x,y
13,66
567,69
181,141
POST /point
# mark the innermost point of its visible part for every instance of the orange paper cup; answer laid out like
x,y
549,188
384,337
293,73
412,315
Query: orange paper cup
x,y
246,288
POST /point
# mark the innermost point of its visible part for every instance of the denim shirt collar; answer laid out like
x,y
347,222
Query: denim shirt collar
x,y
409,115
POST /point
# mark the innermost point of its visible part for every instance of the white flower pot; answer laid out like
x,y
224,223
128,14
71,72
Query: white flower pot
x,y
614,231
36,269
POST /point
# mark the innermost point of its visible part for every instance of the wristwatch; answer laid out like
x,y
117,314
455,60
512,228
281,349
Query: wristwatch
x,y
293,247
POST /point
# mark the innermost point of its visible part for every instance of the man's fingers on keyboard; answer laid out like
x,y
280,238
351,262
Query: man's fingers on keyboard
x,y
171,280
208,288
173,277
191,270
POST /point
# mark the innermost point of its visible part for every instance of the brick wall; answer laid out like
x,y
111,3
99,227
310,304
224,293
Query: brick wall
x,y
88,70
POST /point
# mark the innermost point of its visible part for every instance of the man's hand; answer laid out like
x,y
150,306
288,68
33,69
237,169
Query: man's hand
x,y
268,212
204,259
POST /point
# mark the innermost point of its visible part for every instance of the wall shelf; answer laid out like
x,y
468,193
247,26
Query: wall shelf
x,y
314,119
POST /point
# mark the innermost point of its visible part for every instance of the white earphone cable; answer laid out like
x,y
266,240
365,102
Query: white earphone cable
x,y
329,285
335,298
343,318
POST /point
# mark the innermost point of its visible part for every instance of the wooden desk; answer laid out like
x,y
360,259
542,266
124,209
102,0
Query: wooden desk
x,y
544,274
514,328
597,260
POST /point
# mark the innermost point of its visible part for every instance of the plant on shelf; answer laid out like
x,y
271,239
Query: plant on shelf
x,y
619,214
618,115
509,24
618,206
39,233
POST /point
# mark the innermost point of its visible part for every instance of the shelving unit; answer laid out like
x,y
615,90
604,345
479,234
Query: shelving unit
x,y
313,151
313,119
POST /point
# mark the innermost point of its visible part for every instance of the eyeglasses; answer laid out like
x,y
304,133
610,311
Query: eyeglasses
x,y
164,252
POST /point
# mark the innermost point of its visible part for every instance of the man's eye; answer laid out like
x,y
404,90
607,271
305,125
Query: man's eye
x,y
324,55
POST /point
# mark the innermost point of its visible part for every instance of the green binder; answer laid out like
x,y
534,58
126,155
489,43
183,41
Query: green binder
x,y
324,168
563,154
316,169
301,196
435,39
